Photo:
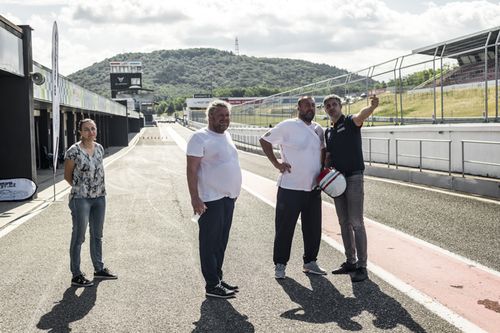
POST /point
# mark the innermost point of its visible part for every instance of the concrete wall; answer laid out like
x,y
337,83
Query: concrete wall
x,y
17,154
433,151
435,155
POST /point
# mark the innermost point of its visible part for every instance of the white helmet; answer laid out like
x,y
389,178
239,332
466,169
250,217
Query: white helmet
x,y
332,182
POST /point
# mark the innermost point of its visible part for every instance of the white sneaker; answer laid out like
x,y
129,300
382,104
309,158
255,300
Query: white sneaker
x,y
279,271
313,268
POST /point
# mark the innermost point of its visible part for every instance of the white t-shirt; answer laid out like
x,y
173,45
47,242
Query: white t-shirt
x,y
300,146
219,175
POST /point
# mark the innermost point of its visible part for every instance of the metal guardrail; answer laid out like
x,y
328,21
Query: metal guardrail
x,y
420,156
248,138
472,161
370,152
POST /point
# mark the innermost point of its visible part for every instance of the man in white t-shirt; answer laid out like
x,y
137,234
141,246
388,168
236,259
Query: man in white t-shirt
x,y
302,148
214,181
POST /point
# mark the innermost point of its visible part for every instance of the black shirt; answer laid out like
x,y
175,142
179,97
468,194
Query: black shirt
x,y
343,142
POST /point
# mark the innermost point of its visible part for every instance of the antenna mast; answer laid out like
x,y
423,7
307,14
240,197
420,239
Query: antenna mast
x,y
236,46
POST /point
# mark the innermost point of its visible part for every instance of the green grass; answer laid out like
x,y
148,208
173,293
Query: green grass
x,y
457,103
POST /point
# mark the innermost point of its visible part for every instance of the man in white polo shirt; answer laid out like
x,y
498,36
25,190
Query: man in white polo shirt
x,y
211,158
302,148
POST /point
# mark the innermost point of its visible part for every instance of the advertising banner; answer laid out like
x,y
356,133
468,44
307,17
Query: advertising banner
x,y
16,189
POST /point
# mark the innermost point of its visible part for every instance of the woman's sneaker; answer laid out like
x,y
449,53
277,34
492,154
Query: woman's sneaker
x,y
220,292
105,274
81,281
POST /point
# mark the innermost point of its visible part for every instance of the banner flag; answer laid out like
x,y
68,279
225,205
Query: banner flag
x,y
55,101
55,95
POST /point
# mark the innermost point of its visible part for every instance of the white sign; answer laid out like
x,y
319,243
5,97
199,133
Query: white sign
x,y
16,189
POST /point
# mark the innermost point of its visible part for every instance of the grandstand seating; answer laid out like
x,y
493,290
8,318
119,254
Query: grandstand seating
x,y
465,74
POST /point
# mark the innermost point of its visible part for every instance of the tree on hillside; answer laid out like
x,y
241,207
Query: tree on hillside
x,y
161,107
176,73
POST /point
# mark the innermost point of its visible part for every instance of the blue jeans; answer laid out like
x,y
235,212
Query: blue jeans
x,y
86,211
215,225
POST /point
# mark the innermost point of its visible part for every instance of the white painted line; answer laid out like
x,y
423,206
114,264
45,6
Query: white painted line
x,y
19,221
402,183
48,192
428,302
179,140
436,248
433,189
256,194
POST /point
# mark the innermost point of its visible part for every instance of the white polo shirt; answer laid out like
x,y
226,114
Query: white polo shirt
x,y
300,146
219,175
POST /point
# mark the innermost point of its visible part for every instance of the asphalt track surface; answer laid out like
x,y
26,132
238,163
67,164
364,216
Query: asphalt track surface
x,y
151,243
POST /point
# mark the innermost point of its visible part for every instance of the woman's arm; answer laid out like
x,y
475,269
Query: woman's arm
x,y
69,166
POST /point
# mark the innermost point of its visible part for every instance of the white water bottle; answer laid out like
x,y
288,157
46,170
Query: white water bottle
x,y
195,218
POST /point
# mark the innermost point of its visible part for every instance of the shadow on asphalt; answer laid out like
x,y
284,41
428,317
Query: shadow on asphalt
x,y
388,312
218,315
70,309
325,304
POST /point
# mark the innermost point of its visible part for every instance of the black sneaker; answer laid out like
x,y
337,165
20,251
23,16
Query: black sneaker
x,y
359,275
345,268
220,292
81,281
229,287
105,274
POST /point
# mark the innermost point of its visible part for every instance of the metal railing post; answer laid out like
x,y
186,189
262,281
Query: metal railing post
x,y
396,153
420,154
463,160
442,84
370,150
449,158
486,77
388,152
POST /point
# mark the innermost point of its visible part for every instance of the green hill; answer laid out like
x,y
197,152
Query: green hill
x,y
176,73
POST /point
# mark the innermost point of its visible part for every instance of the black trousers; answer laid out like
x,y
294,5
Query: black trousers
x,y
215,225
289,204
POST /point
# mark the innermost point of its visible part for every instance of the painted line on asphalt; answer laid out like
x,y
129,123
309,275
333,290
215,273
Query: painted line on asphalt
x,y
433,189
436,248
422,187
48,193
413,293
421,298
179,140
182,143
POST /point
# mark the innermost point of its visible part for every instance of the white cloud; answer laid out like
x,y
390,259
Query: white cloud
x,y
350,35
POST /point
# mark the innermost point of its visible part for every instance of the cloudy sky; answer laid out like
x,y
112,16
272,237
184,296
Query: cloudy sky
x,y
347,34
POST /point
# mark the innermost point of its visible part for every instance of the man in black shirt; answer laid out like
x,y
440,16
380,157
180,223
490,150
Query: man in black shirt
x,y
344,153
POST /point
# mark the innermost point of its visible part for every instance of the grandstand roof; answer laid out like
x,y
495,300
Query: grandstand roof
x,y
453,48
